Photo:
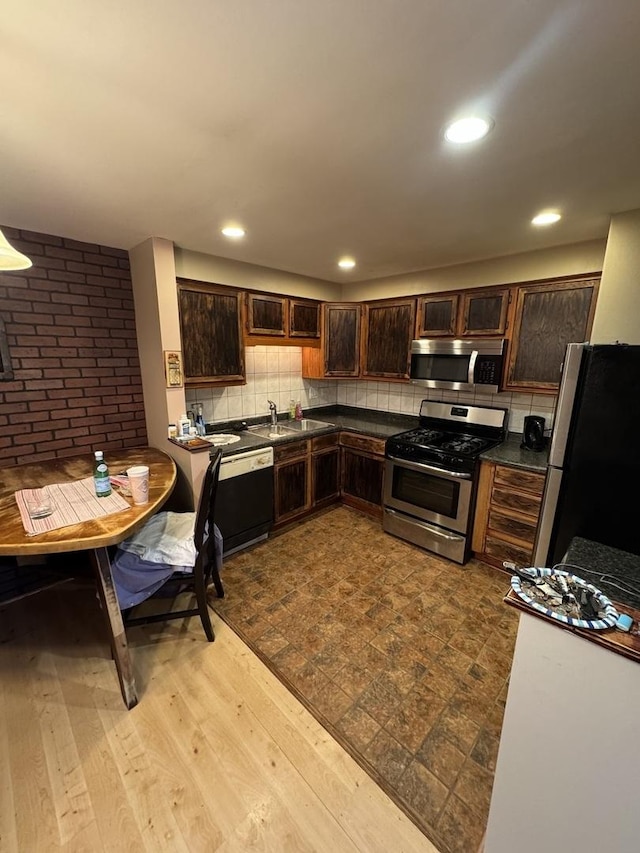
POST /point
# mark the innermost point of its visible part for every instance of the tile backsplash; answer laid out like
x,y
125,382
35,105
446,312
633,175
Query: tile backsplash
x,y
275,373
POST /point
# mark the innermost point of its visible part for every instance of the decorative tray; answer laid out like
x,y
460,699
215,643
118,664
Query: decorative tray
x,y
565,598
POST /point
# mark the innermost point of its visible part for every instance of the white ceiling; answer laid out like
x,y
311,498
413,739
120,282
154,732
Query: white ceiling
x,y
317,124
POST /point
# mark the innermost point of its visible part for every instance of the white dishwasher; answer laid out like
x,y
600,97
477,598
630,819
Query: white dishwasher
x,y
244,500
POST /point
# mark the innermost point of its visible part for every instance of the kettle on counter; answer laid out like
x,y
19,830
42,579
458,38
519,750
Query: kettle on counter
x,y
533,433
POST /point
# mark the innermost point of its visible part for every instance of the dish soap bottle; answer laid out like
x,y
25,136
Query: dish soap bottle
x,y
298,411
101,475
292,409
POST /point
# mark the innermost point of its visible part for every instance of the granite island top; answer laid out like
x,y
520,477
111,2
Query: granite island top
x,y
615,573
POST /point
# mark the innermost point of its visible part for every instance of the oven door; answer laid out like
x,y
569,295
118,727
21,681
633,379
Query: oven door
x,y
428,493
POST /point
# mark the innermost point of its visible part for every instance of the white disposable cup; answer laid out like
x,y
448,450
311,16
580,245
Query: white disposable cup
x,y
139,483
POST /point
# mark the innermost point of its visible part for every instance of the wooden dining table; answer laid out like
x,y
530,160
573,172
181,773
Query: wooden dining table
x,y
94,536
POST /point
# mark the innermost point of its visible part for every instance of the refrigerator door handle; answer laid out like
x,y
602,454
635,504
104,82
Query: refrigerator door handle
x,y
566,399
547,516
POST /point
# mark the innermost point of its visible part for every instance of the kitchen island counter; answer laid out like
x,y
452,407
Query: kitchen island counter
x,y
567,768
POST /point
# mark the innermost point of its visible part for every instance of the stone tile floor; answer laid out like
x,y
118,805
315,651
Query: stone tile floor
x,y
404,657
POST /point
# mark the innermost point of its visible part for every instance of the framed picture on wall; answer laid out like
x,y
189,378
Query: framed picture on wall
x,y
173,368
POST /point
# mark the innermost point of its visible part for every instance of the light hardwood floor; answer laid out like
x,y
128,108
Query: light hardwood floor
x,y
218,756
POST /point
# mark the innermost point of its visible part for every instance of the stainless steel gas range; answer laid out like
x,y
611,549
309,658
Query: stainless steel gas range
x,y
432,473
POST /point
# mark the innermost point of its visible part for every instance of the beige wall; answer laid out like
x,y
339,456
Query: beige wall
x,y
201,267
155,296
548,263
617,315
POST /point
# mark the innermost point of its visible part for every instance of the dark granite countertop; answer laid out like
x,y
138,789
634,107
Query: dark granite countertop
x,y
364,421
510,453
615,572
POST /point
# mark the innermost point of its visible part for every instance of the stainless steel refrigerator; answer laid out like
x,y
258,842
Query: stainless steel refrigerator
x,y
593,479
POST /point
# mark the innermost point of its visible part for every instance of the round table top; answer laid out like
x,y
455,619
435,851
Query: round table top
x,y
98,533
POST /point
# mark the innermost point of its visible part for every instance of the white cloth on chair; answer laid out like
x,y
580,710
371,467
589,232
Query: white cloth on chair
x,y
167,537
145,561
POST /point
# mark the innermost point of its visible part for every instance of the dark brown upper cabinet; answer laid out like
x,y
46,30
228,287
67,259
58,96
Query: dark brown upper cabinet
x,y
273,320
386,338
304,318
267,315
462,314
484,312
211,333
339,355
548,316
437,316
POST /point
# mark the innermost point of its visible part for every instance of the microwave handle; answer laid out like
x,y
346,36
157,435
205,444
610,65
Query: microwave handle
x,y
472,367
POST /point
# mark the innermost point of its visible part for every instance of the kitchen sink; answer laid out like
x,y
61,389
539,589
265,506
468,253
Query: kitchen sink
x,y
268,431
307,424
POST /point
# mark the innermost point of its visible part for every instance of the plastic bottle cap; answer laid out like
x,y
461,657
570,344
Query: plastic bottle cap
x,y
98,454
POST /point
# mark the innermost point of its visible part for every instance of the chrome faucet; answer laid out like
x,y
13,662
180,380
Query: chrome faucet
x,y
274,413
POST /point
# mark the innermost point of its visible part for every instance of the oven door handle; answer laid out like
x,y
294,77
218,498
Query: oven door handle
x,y
422,466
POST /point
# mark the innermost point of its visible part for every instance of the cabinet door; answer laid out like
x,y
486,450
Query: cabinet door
x,y
211,333
547,318
341,339
292,495
437,316
325,476
362,477
388,332
304,318
266,315
484,312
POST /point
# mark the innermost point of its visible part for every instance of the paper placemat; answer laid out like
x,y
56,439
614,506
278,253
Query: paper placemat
x,y
73,503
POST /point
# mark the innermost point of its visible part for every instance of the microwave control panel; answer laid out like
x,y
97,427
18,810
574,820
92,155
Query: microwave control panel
x,y
487,370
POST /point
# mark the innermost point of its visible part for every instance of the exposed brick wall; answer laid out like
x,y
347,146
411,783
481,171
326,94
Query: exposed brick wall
x,y
71,334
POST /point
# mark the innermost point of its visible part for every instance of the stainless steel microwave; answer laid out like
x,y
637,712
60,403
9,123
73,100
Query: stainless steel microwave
x,y
459,365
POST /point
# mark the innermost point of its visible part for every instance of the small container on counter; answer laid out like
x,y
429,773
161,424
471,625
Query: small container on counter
x,y
298,411
172,431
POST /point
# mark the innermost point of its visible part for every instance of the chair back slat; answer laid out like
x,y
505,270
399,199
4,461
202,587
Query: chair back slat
x,y
206,505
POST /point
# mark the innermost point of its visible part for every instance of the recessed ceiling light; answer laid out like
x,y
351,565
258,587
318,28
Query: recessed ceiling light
x,y
233,231
346,263
546,217
468,129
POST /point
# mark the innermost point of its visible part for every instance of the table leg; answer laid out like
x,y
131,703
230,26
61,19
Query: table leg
x,y
115,626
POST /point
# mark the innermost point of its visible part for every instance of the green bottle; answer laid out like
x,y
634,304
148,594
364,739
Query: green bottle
x,y
101,475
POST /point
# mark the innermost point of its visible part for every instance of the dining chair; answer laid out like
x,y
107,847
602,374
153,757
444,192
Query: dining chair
x,y
208,550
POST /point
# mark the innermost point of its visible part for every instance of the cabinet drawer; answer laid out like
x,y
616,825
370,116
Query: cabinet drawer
x,y
501,551
293,450
366,444
521,502
517,478
522,529
324,441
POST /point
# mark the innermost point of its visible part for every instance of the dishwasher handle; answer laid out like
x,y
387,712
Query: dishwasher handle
x,y
246,462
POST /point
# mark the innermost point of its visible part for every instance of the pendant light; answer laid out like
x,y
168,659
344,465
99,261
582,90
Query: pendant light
x,y
10,258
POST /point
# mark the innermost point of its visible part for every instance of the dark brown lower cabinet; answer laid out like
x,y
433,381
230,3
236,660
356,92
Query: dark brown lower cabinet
x,y
362,472
325,470
292,482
